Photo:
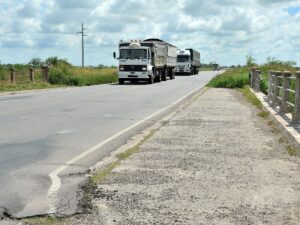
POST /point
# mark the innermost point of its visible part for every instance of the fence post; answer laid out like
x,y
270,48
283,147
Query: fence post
x,y
285,85
253,69
275,89
45,70
256,80
31,75
296,114
270,93
12,75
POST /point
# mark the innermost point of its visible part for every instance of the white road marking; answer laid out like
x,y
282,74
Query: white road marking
x,y
56,181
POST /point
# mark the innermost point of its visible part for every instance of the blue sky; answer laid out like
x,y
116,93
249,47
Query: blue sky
x,y
224,31
294,10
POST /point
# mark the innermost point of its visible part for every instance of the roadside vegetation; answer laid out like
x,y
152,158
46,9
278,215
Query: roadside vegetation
x,y
238,78
61,73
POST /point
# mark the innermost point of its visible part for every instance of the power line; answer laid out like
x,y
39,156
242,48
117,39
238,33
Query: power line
x,y
83,34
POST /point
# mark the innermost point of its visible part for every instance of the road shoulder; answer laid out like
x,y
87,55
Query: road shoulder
x,y
214,162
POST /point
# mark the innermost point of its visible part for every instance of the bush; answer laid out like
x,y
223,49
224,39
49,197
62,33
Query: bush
x,y
67,75
59,74
2,75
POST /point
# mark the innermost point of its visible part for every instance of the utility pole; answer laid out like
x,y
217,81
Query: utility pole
x,y
82,41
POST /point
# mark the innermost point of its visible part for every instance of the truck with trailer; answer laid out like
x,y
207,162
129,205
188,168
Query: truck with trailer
x,y
188,61
215,66
150,60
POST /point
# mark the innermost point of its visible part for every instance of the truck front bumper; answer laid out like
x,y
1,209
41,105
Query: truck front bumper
x,y
183,71
127,75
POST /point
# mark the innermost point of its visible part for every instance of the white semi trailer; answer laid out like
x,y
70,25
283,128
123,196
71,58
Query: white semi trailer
x,y
150,60
188,61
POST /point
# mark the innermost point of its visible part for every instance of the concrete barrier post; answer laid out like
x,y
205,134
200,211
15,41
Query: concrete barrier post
x,y
270,92
276,90
45,71
256,80
296,114
31,74
253,69
12,75
285,85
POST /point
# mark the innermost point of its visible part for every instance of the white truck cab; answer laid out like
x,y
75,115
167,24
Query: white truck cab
x,y
149,60
188,61
134,62
184,64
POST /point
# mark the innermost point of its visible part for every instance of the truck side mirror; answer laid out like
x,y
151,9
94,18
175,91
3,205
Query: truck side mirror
x,y
152,54
114,55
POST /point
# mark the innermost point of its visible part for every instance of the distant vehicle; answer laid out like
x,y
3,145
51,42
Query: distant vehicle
x,y
215,67
188,61
150,60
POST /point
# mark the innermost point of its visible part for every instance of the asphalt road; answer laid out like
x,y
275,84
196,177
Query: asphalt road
x,y
49,139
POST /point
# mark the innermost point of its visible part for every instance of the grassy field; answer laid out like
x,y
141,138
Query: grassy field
x,y
231,78
61,75
238,77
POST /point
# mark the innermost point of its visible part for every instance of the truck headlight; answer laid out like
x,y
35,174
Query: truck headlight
x,y
121,68
144,68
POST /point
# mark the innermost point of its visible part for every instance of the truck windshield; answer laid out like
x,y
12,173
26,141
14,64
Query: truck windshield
x,y
183,58
133,54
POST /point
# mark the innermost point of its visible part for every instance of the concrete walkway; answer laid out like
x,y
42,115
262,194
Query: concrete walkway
x,y
215,162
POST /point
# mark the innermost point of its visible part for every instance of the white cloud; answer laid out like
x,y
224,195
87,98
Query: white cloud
x,y
223,30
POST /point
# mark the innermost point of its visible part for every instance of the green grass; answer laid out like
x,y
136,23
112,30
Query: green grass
x,y
102,174
263,114
251,97
292,150
67,75
61,75
128,153
231,78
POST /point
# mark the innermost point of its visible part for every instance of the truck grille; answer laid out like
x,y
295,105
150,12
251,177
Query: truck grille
x,y
133,67
181,68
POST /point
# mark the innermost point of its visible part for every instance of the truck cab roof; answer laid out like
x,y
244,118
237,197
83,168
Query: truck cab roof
x,y
183,52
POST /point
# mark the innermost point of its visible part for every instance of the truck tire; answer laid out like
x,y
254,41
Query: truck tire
x,y
164,75
121,81
172,74
151,80
157,76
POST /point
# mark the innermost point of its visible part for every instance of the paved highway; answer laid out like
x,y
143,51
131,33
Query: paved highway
x,y
48,139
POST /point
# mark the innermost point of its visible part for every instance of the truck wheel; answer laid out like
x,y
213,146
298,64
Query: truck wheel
x,y
151,80
121,81
157,76
164,75
172,74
